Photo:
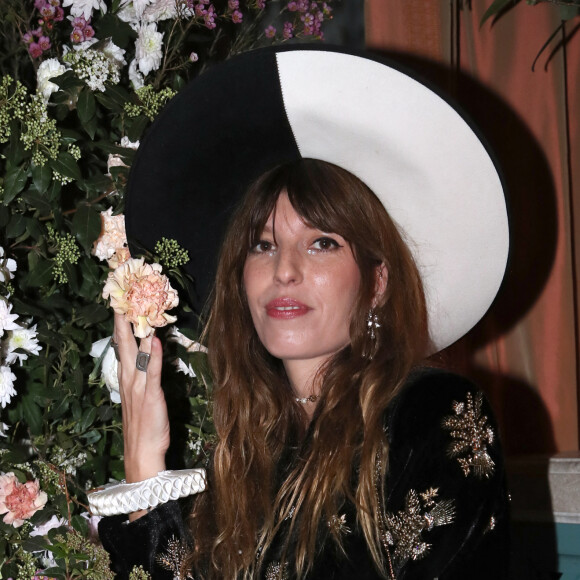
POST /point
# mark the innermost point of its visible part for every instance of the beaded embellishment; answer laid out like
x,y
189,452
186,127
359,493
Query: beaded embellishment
x,y
173,557
275,571
404,529
470,435
337,525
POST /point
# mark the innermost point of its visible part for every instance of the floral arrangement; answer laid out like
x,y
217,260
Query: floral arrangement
x,y
80,82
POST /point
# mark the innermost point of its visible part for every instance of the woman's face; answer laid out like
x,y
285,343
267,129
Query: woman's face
x,y
301,287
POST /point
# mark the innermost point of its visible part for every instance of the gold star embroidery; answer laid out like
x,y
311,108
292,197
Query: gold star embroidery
x,y
404,529
173,557
470,435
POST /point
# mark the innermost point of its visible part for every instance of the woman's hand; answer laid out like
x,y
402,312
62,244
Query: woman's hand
x,y
145,420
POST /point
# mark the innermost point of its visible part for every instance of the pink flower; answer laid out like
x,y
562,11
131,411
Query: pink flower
x,y
261,4
143,294
44,42
237,17
27,37
89,31
288,30
48,11
270,32
34,50
77,35
19,501
113,237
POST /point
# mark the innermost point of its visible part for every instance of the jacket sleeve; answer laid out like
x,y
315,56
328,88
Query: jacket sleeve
x,y
446,504
157,542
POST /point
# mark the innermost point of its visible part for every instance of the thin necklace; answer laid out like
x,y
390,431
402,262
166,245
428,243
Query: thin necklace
x,y
310,399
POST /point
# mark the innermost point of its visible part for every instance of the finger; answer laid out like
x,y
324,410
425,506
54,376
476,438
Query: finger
x,y
155,363
123,335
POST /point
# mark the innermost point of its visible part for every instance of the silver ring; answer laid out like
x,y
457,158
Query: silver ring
x,y
142,361
115,348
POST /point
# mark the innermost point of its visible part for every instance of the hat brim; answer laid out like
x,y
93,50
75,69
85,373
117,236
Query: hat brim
x,y
416,151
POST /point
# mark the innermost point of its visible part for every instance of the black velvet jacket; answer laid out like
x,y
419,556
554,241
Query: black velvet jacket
x,y
446,515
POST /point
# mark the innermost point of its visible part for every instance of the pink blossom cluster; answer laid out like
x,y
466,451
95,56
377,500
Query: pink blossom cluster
x,y
234,11
204,9
82,29
308,19
37,40
312,15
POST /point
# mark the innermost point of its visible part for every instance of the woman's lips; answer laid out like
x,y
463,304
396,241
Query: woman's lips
x,y
286,308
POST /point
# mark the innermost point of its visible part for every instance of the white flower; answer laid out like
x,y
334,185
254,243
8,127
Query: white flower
x,y
7,390
115,53
135,76
174,335
51,524
140,6
160,10
47,70
7,266
21,339
108,368
128,14
7,320
4,429
184,368
85,7
128,144
93,522
148,45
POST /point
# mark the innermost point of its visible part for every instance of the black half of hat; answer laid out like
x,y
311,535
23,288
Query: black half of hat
x,y
219,134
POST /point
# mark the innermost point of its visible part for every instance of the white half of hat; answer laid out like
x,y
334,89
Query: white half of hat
x,y
422,160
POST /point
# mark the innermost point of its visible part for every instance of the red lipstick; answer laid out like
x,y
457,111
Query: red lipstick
x,y
286,308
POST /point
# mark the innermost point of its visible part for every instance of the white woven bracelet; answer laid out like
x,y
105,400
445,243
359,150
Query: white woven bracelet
x,y
125,498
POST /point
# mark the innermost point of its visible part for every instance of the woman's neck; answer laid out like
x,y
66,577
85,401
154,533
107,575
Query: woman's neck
x,y
304,380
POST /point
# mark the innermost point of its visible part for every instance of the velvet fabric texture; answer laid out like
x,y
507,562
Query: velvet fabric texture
x,y
446,504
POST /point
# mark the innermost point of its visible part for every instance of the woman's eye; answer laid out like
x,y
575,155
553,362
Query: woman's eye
x,y
325,244
263,247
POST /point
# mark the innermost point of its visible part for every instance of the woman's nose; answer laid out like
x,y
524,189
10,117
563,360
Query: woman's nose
x,y
289,267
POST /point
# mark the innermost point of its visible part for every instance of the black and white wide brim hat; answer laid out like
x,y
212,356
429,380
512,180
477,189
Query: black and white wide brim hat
x,y
419,155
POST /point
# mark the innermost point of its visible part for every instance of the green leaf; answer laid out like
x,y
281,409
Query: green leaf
x,y
4,216
67,81
37,201
93,313
16,226
120,32
41,176
80,524
495,8
14,182
66,165
41,275
137,127
35,544
86,226
567,12
32,414
88,419
91,126
86,105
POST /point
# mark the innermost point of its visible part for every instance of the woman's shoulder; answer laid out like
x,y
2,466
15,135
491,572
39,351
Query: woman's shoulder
x,y
436,401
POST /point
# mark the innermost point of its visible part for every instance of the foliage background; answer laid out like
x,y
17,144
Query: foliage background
x,y
57,175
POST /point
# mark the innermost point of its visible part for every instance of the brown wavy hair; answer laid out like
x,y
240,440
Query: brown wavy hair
x,y
255,413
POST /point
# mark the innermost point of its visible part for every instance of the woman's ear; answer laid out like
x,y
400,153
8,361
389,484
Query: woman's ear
x,y
381,279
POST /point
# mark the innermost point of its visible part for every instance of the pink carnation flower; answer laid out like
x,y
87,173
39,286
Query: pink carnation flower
x,y
19,501
142,293
113,237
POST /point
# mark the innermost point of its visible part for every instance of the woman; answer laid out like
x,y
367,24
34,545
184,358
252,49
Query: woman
x,y
336,456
